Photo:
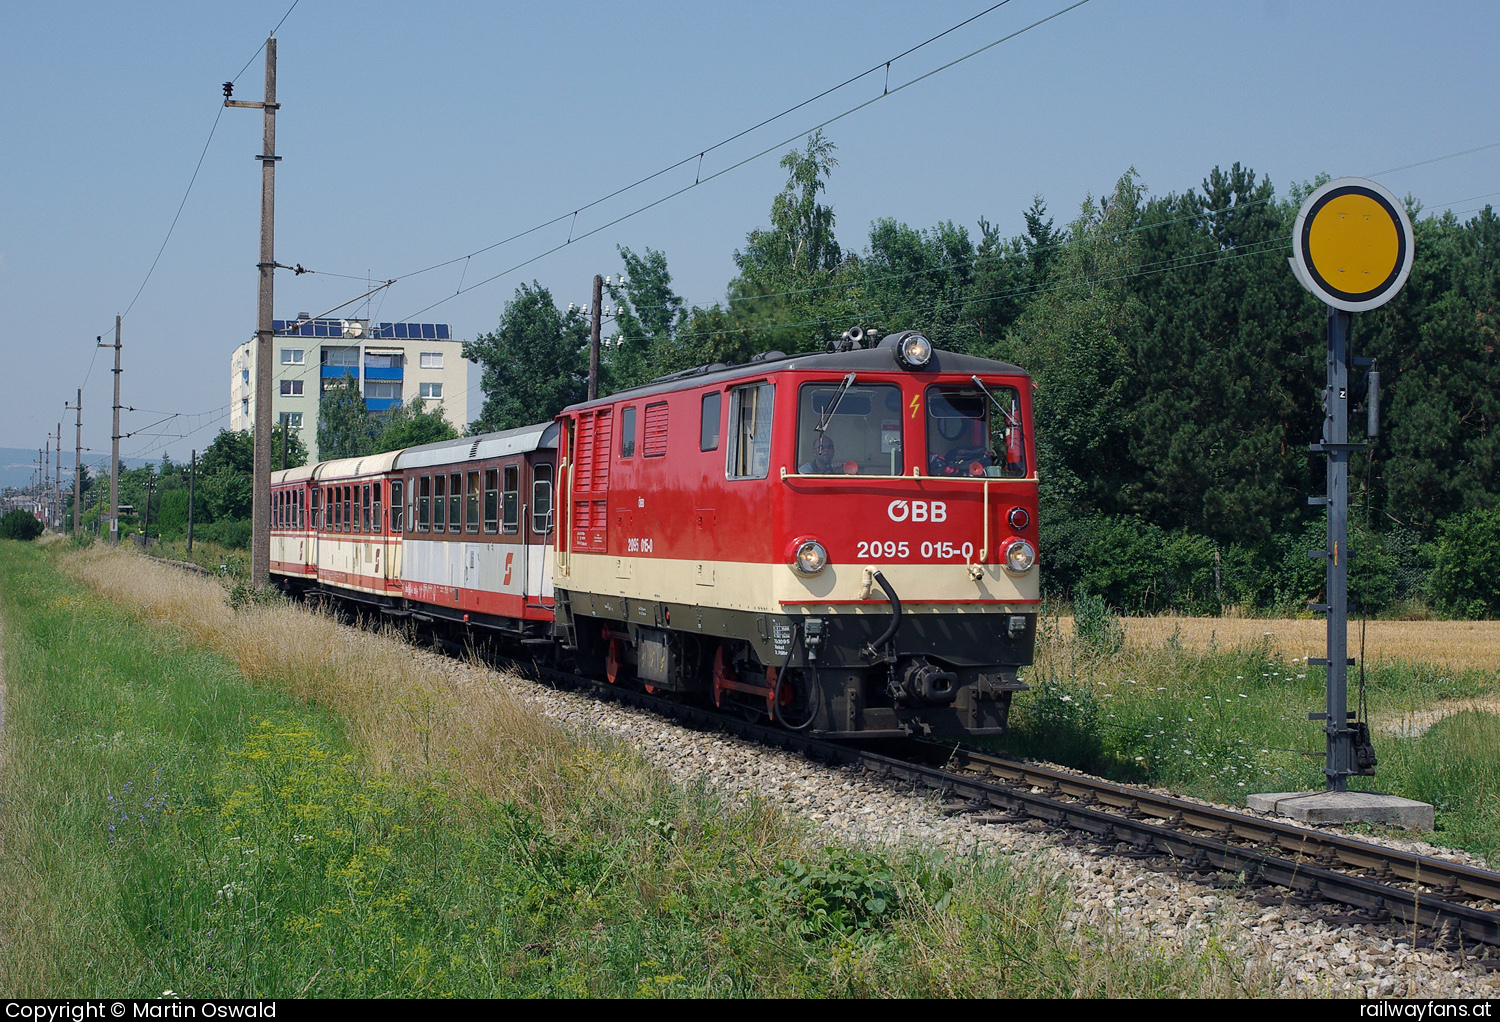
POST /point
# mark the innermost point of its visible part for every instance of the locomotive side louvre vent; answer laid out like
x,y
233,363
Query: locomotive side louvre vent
x,y
654,444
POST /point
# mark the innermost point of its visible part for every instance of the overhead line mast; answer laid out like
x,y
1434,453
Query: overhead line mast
x,y
260,513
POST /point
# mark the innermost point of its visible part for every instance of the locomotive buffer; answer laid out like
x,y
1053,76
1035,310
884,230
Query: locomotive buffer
x,y
1352,248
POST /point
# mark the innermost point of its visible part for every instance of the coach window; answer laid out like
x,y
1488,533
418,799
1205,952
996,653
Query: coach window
x,y
351,508
377,523
424,503
364,515
541,499
627,433
491,501
455,500
396,492
512,502
358,524
471,503
317,506
708,431
750,431
439,501
845,428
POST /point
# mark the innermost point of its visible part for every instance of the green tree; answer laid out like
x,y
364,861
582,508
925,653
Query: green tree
x,y
650,312
535,363
18,524
411,425
296,450
230,449
1465,577
346,429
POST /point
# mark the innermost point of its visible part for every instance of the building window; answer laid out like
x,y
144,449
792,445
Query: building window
x,y
512,499
244,376
294,419
382,390
245,406
430,390
291,388
431,360
293,356
382,360
341,356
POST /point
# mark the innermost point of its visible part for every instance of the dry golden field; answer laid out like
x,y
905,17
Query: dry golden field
x,y
1460,645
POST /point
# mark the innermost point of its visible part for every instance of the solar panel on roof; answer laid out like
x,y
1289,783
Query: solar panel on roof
x,y
429,331
400,329
442,331
278,325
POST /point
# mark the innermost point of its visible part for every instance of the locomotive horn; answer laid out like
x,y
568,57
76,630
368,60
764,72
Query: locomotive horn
x,y
855,334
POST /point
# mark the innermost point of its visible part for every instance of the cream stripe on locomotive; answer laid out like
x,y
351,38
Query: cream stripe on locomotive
x,y
779,589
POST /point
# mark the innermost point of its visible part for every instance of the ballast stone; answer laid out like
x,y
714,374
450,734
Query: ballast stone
x,y
1332,807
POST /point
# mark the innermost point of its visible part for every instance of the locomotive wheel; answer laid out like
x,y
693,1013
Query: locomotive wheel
x,y
612,661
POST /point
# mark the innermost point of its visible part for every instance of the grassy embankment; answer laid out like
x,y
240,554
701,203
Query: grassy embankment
x,y
260,802
1217,708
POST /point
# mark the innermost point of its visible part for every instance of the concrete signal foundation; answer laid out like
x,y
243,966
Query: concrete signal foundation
x,y
1335,807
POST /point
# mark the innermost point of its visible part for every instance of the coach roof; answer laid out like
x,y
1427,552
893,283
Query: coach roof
x,y
868,360
523,440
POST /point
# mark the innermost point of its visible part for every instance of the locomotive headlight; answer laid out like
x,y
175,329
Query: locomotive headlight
x,y
811,558
1019,556
915,350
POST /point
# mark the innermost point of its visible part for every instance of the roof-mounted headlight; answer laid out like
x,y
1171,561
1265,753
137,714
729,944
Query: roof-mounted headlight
x,y
914,350
811,558
1019,556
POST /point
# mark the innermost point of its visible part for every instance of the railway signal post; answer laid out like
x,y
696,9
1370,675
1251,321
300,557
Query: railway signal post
x,y
1352,248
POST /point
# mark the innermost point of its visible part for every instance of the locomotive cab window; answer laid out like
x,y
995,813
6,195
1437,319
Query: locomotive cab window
x,y
627,433
847,428
750,431
973,432
541,499
708,430
511,504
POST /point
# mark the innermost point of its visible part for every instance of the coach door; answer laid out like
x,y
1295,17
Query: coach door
x,y
537,521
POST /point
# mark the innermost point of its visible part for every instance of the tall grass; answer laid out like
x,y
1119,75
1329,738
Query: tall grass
x,y
253,801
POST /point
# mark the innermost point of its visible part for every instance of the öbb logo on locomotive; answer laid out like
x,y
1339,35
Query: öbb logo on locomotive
x,y
712,535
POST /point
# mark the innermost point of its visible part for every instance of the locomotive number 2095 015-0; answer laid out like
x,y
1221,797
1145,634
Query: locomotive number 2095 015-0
x,y
887,548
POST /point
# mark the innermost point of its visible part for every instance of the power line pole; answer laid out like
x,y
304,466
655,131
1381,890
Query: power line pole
x,y
260,514
45,504
597,312
57,482
192,481
114,446
78,465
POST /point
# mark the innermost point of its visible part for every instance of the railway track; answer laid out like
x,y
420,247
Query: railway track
x,y
1456,904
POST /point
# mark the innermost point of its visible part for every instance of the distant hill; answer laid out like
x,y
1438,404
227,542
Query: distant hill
x,y
17,465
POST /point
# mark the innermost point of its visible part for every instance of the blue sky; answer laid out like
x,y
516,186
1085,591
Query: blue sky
x,y
412,135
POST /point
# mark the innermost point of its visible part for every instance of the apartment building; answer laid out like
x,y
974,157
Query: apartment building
x,y
393,363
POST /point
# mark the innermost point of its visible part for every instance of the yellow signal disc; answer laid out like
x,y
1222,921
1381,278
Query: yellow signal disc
x,y
1353,243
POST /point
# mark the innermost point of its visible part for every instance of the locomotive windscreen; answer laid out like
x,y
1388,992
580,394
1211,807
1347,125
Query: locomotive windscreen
x,y
970,432
860,434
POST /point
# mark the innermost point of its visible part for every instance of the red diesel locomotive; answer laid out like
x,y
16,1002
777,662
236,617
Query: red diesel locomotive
x,y
842,541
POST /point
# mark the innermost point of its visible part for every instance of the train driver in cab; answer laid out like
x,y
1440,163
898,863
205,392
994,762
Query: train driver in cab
x,y
822,460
